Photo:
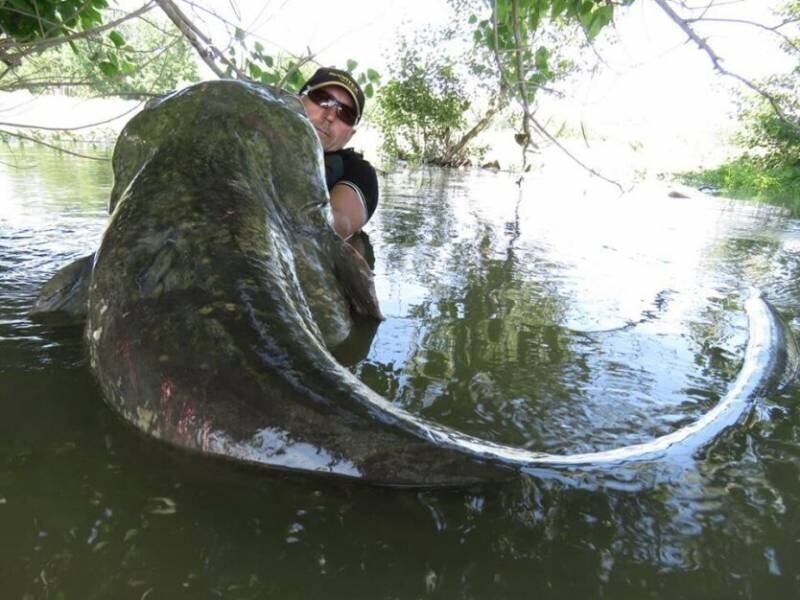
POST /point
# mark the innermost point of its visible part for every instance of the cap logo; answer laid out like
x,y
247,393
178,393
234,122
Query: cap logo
x,y
345,81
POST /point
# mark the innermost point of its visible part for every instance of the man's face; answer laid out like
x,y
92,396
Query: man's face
x,y
332,132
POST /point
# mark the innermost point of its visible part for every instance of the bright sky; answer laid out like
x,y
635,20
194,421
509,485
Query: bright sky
x,y
651,72
367,29
657,91
363,30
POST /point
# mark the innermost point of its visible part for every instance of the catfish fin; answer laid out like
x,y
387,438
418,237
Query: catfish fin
x,y
63,298
357,281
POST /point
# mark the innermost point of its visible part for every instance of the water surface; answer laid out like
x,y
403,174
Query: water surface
x,y
557,317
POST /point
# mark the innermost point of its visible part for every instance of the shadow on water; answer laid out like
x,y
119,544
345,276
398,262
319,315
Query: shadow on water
x,y
502,321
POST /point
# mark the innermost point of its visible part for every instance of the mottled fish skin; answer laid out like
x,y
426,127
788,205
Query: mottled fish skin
x,y
63,298
219,288
215,296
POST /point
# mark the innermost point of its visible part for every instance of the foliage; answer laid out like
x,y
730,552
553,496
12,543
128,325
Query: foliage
x,y
31,27
285,71
129,60
513,34
29,20
769,170
773,139
421,108
140,58
518,48
746,177
529,46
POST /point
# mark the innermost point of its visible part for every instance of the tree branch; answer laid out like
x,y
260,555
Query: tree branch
x,y
23,49
563,148
528,118
77,127
307,58
199,41
716,61
774,29
453,153
523,93
53,146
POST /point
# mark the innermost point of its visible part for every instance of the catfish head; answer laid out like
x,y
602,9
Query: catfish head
x,y
279,163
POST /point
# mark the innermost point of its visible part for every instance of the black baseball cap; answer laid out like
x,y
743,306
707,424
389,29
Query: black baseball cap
x,y
328,76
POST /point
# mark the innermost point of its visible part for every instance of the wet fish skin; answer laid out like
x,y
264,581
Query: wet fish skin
x,y
216,293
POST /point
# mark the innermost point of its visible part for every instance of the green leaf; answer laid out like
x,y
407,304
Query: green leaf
x,y
109,69
270,61
542,54
255,70
22,6
557,7
473,19
502,10
373,75
369,91
601,17
238,34
296,80
259,47
117,38
127,68
351,64
90,18
269,78
533,20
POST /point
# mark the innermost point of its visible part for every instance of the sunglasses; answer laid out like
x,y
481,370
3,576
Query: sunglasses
x,y
346,114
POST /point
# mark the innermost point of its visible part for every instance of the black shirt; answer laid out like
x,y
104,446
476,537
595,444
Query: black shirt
x,y
349,167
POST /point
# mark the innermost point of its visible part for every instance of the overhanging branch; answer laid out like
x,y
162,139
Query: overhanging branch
x,y
28,138
775,29
527,117
209,53
716,61
76,128
12,53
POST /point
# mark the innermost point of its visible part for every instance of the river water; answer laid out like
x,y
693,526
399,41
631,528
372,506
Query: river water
x,y
557,316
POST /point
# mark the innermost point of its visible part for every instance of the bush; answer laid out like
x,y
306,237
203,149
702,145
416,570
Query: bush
x,y
754,178
770,169
421,109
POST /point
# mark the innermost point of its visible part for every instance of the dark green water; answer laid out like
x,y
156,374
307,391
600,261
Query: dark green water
x,y
553,318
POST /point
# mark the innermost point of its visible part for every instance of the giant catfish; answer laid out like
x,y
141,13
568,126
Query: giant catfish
x,y
219,289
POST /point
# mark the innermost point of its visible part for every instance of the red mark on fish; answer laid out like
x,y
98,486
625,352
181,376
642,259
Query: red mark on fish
x,y
167,392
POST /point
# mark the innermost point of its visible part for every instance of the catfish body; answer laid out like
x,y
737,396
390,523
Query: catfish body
x,y
219,288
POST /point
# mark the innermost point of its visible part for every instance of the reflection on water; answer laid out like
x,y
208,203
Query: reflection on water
x,y
549,318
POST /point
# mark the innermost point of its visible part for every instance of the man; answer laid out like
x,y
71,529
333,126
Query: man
x,y
334,104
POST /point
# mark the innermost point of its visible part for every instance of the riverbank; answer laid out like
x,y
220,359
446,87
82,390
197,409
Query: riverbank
x,y
748,178
624,151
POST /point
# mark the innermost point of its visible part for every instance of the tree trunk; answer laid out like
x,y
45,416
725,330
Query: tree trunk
x,y
454,154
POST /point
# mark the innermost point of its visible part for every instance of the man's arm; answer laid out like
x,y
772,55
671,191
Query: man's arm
x,y
349,210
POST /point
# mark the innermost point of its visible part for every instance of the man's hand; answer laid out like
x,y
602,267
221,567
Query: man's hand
x,y
349,212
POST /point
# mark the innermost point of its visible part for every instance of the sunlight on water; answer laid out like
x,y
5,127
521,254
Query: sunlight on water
x,y
554,319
